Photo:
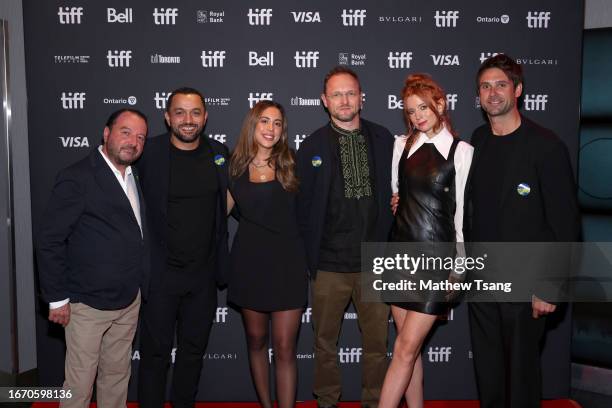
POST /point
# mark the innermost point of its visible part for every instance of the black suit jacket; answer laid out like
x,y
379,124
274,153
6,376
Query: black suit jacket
x,y
154,171
550,212
89,246
315,183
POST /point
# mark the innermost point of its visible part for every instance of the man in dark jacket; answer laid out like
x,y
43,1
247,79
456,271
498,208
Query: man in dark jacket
x,y
345,188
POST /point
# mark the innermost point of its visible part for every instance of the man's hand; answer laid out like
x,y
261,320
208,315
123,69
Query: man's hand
x,y
61,315
394,202
540,307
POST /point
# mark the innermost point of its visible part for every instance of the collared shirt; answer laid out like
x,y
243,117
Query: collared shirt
x,y
443,142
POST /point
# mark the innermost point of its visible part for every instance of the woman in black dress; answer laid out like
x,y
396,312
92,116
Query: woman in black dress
x,y
268,278
429,172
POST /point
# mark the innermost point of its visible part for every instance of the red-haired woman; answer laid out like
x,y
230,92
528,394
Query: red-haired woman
x,y
429,171
267,278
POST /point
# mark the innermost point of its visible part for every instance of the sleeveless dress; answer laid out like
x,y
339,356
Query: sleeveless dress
x,y
426,212
268,261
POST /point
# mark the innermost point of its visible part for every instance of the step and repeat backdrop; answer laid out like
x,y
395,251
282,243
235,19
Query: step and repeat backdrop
x,y
87,58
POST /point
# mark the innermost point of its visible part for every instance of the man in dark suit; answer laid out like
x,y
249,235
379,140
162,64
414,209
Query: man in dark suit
x,y
520,189
93,261
345,188
184,180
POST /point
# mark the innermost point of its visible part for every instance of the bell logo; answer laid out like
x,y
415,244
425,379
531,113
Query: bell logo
x,y
445,59
451,100
266,60
535,102
349,355
260,16
119,58
255,97
112,16
221,315
399,59
486,55
73,100
306,16
306,59
538,19
212,59
445,19
160,99
70,15
353,17
165,16
439,354
394,103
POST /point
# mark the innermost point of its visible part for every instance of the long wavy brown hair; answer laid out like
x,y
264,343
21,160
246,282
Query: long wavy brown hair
x,y
282,158
423,86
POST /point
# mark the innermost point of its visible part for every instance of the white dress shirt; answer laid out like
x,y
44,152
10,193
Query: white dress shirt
x,y
443,141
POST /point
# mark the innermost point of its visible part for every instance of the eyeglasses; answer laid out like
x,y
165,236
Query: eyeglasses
x,y
339,95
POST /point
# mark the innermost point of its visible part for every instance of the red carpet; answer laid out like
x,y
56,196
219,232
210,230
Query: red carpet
x,y
312,404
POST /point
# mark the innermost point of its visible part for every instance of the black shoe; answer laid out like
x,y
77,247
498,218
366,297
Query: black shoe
x,y
327,406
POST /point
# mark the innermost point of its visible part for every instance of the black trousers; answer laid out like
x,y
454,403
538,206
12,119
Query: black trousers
x,y
506,350
192,315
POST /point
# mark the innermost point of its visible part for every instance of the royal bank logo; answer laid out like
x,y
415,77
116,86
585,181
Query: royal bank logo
x,y
446,18
486,55
165,59
451,101
306,16
439,354
399,59
69,15
348,355
352,59
221,138
221,315
533,102
352,18
160,99
264,60
255,97
73,100
165,16
130,100
400,19
306,59
394,102
298,101
217,101
114,16
71,59
260,17
445,60
213,59
119,58
210,16
72,141
503,19
538,19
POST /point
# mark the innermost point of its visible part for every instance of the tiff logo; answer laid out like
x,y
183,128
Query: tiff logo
x,y
219,137
165,16
212,59
266,60
255,97
486,55
119,58
446,19
298,141
399,59
260,16
73,100
538,19
353,17
70,15
535,102
306,315
451,100
160,99
439,354
112,16
349,354
306,59
221,315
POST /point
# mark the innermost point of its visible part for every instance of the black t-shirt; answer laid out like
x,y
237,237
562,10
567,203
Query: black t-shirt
x,y
192,199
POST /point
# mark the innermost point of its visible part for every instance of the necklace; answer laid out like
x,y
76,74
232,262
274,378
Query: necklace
x,y
260,168
259,165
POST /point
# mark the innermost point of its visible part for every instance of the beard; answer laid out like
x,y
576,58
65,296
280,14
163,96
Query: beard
x,y
187,137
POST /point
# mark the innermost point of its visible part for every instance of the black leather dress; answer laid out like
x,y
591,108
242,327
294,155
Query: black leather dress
x,y
426,213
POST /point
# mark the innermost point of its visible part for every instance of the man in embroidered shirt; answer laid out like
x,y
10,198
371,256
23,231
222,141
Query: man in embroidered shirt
x,y
344,170
93,262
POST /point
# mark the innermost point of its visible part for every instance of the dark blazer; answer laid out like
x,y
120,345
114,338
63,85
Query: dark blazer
x,y
154,171
89,247
315,183
550,212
